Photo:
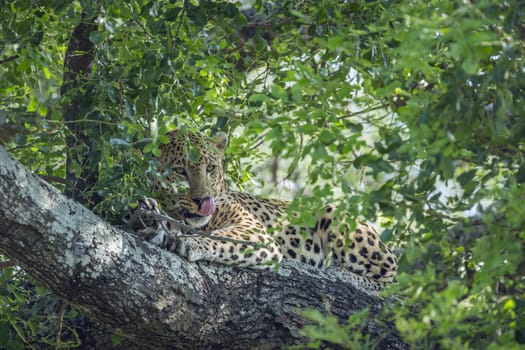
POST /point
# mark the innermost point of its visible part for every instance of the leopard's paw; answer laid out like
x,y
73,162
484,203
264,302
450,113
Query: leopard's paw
x,y
142,218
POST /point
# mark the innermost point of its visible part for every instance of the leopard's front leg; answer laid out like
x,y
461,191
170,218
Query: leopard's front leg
x,y
228,249
239,240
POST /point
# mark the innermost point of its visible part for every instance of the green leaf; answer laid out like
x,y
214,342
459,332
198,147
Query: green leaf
x,y
117,339
156,151
334,42
255,98
42,110
33,104
96,37
509,305
20,139
326,136
162,138
149,147
279,92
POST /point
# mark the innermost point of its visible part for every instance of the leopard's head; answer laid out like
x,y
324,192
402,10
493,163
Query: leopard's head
x,y
197,161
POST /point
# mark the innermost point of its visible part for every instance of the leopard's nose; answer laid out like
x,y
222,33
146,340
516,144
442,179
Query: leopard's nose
x,y
199,201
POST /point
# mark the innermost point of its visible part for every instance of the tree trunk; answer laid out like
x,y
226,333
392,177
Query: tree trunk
x,y
83,155
156,298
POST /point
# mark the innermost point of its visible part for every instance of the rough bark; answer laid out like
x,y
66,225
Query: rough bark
x,y
156,298
83,156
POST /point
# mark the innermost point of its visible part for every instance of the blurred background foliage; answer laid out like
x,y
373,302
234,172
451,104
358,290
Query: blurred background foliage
x,y
408,114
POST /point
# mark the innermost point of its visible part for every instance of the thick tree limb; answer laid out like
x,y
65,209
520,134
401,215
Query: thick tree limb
x,y
155,297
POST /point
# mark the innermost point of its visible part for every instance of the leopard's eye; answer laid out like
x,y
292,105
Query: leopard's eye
x,y
210,168
180,171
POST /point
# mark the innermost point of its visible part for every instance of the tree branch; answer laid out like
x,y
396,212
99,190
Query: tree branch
x,y
8,59
156,298
7,264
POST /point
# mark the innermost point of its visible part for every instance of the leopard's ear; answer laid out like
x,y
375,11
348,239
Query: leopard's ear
x,y
220,141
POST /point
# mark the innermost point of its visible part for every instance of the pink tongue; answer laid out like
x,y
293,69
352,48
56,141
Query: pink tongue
x,y
207,207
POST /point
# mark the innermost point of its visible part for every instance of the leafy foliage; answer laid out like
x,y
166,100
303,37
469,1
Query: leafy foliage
x,y
409,113
328,329
31,317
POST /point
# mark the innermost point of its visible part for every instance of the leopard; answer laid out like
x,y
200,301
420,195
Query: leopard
x,y
245,230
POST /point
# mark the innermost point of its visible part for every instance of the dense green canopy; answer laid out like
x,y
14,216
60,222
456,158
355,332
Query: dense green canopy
x,y
410,114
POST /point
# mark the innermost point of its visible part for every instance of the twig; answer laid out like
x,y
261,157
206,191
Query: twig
x,y
51,178
8,59
60,323
182,13
144,140
296,160
7,264
258,141
363,111
139,23
71,122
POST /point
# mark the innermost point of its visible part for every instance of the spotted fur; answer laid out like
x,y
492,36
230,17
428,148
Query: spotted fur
x,y
246,230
